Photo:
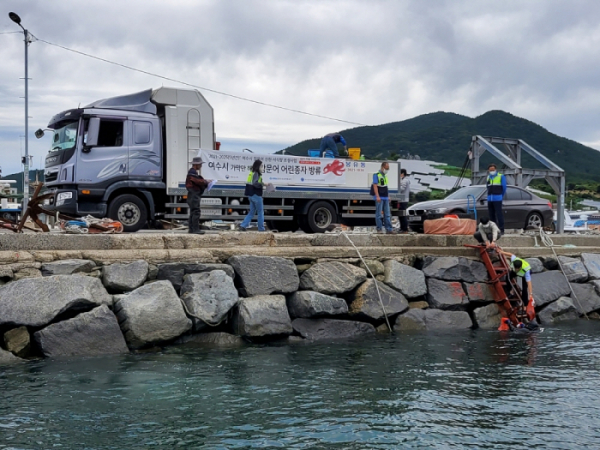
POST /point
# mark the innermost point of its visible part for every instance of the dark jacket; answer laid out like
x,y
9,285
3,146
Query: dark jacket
x,y
195,182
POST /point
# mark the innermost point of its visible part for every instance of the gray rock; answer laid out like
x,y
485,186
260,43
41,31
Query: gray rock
x,y
218,339
536,265
153,272
573,269
320,329
332,277
588,299
307,304
92,333
67,267
591,261
559,311
479,292
6,274
264,275
125,277
17,341
549,262
376,267
447,295
432,319
263,315
406,279
8,358
37,301
453,268
209,296
488,317
365,304
27,272
548,287
174,272
418,305
152,313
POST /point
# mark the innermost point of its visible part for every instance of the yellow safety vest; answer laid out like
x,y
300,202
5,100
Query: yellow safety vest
x,y
524,268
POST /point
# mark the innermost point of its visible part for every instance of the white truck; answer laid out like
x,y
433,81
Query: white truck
x,y
127,158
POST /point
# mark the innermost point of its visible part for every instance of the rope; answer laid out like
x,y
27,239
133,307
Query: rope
x,y
547,241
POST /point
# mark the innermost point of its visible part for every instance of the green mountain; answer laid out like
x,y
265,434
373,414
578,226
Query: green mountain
x,y
446,137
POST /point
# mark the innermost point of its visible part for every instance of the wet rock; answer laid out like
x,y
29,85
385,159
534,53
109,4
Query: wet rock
x,y
174,272
68,267
307,304
152,313
37,301
92,333
264,275
452,268
406,279
17,341
376,267
218,339
321,329
487,317
479,292
208,295
591,261
447,295
27,272
536,265
263,315
588,299
8,358
366,305
418,305
574,269
332,278
561,310
124,277
548,287
432,319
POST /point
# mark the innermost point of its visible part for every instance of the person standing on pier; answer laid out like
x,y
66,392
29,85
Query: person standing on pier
x,y
496,189
195,185
379,191
404,198
254,192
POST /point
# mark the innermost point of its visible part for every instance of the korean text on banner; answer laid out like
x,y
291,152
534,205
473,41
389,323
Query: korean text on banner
x,y
279,169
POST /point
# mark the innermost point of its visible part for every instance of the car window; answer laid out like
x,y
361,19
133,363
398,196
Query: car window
x,y
526,195
512,194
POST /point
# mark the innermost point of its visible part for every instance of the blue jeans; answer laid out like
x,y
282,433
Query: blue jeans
x,y
256,207
328,143
383,205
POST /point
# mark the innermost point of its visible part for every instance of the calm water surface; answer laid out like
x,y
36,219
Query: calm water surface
x,y
474,389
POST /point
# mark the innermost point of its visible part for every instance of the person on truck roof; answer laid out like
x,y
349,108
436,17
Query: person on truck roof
x,y
379,191
195,185
330,142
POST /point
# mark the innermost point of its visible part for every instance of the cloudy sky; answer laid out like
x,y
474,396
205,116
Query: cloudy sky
x,y
363,61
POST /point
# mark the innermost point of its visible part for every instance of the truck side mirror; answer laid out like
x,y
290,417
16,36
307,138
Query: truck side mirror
x,y
92,134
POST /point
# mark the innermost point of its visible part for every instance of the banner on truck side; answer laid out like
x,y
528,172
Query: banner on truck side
x,y
279,169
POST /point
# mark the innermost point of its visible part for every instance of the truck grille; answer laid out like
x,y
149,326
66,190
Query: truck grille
x,y
49,177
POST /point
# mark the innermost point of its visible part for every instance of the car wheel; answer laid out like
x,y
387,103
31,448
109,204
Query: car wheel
x,y
534,220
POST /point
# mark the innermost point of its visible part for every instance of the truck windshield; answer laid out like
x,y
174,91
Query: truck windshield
x,y
65,137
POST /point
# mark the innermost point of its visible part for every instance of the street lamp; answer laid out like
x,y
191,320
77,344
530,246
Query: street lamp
x,y
16,19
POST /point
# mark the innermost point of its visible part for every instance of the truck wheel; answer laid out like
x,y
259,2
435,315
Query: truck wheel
x,y
320,216
130,211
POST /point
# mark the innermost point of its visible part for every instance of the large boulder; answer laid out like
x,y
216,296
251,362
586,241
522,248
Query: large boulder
x,y
8,358
320,329
263,315
37,301
536,265
453,268
264,275
18,341
448,295
307,304
432,319
92,333
548,287
332,277
574,269
487,317
366,304
479,292
406,279
559,311
152,313
124,277
67,267
591,261
209,296
587,299
174,272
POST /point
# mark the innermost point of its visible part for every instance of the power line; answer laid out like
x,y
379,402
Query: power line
x,y
198,87
11,32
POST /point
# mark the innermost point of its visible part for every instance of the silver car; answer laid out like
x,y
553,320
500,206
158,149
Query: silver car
x,y
522,209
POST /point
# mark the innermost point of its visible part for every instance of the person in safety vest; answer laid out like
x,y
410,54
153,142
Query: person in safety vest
x,y
195,185
329,142
496,188
379,191
521,268
254,192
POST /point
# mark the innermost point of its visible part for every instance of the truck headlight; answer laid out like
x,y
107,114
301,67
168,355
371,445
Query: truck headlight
x,y
63,196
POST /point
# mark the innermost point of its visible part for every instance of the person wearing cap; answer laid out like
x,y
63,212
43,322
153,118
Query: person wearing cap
x,y
522,269
496,188
330,142
254,192
195,185
487,233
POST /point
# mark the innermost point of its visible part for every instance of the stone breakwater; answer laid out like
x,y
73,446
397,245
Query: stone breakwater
x,y
86,307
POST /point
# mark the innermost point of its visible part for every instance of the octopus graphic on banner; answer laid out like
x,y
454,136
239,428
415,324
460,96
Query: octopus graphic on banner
x,y
279,169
